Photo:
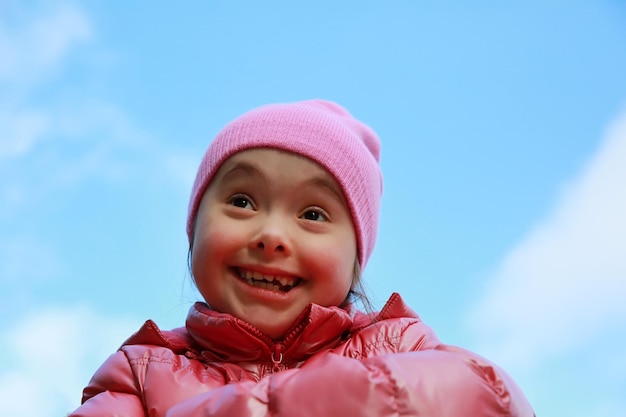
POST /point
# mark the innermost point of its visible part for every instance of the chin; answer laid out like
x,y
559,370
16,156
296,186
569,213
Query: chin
x,y
275,332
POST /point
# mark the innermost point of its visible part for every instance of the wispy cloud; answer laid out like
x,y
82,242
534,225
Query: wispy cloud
x,y
20,131
46,147
51,144
51,354
91,141
562,288
34,44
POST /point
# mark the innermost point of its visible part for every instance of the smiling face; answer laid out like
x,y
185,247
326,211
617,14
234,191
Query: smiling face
x,y
273,234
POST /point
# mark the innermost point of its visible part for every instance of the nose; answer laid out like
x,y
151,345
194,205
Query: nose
x,y
272,237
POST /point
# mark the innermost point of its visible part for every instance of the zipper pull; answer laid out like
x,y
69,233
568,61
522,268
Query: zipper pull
x,y
277,357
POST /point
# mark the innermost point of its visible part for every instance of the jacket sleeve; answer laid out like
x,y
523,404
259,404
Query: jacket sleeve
x,y
444,382
112,391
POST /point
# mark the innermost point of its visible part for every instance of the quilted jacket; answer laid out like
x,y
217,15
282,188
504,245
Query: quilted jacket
x,y
334,362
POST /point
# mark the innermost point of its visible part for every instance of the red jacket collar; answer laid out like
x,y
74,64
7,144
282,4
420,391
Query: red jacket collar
x,y
224,338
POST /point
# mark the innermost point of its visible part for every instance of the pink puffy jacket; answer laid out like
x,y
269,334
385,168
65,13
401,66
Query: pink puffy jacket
x,y
334,362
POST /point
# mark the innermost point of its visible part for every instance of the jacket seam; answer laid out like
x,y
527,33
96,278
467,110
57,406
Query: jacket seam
x,y
391,342
145,361
138,386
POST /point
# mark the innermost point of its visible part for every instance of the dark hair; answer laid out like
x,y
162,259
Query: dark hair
x,y
357,294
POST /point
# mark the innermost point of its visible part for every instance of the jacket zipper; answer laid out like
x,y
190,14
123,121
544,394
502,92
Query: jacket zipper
x,y
276,356
278,348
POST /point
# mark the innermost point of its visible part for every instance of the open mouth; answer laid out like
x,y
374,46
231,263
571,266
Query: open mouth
x,y
269,282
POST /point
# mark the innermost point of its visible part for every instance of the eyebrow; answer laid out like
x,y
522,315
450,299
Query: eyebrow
x,y
324,183
318,181
242,167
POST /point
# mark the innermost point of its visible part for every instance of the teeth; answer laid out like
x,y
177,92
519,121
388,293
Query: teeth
x,y
271,282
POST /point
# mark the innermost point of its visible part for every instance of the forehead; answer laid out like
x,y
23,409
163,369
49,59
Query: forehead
x,y
265,159
266,153
270,163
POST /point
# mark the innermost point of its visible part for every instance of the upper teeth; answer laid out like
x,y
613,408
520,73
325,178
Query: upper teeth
x,y
257,276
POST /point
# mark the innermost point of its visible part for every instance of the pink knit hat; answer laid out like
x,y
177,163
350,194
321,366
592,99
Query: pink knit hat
x,y
319,130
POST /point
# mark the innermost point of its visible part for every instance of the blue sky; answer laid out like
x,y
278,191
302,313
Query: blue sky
x,y
504,156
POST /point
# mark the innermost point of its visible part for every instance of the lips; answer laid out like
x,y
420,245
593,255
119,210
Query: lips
x,y
280,283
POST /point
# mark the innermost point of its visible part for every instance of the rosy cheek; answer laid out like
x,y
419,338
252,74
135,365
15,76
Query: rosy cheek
x,y
339,267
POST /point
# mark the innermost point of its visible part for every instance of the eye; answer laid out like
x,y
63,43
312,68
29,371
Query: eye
x,y
241,201
315,214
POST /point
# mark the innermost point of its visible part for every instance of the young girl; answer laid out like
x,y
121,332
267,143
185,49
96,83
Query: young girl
x,y
282,219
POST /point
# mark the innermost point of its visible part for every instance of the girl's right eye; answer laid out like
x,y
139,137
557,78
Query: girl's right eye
x,y
241,201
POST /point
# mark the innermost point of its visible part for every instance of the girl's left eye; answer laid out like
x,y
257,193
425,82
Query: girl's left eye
x,y
316,215
241,201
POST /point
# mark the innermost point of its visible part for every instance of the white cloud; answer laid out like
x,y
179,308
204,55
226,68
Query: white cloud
x,y
35,43
567,279
82,136
52,354
33,47
560,292
66,147
20,131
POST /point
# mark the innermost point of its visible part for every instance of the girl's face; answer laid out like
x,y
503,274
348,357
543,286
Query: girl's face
x,y
273,233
